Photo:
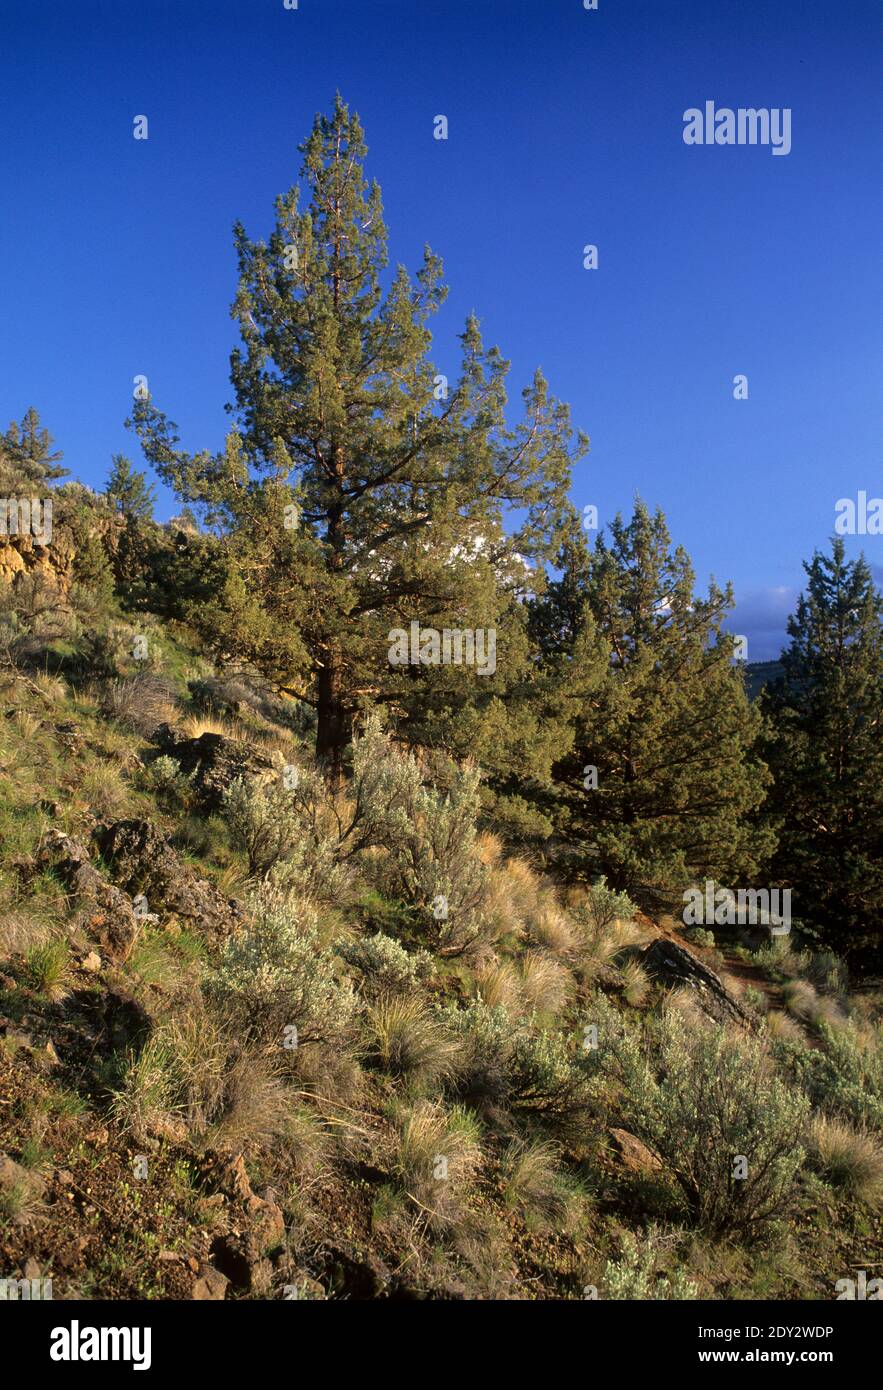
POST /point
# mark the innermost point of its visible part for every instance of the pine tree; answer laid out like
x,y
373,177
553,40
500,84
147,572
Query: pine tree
x,y
358,490
825,748
27,461
661,778
129,491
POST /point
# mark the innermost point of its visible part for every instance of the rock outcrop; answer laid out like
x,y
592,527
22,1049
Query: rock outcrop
x,y
107,914
212,762
142,861
672,964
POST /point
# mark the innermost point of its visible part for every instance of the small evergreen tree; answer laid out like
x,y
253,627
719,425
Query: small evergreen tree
x,y
825,748
27,461
129,491
662,775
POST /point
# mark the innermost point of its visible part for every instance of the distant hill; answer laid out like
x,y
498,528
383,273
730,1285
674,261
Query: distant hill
x,y
760,673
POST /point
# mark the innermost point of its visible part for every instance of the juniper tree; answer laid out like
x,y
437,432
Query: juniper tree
x,y
362,487
129,491
662,776
825,748
27,460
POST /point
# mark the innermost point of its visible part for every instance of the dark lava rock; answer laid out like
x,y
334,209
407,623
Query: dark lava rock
x,y
212,762
672,964
143,862
108,914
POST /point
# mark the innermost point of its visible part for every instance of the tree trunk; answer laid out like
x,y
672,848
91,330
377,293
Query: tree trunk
x,y
332,731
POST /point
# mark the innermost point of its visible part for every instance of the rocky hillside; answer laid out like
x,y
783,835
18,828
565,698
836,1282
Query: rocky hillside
x,y
259,1039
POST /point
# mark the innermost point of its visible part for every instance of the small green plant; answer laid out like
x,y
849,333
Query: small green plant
x,y
47,970
603,906
636,1274
386,967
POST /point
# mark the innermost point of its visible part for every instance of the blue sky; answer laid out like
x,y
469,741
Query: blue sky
x,y
565,128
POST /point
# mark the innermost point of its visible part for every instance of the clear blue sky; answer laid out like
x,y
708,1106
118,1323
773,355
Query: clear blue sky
x,y
565,129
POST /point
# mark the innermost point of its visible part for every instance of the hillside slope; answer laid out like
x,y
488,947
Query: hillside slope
x,y
261,1041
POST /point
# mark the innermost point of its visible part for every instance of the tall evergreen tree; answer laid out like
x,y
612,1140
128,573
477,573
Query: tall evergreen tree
x,y
27,459
825,748
129,491
657,788
359,490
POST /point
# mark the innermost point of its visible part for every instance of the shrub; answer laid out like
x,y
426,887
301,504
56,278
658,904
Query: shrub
x,y
427,829
486,1033
844,1076
291,835
548,1085
848,1158
636,1274
167,781
603,906
700,936
386,966
275,974
263,822
508,1066
700,1098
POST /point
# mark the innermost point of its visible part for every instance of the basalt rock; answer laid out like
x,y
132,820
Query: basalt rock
x,y
212,762
633,1153
672,964
210,1285
143,862
107,913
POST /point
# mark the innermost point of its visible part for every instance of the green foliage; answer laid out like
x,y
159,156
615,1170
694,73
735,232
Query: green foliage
x,y
386,967
532,1073
263,821
129,491
351,489
824,718
275,974
93,572
603,906
659,710
27,462
701,1099
427,829
636,1275
844,1076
